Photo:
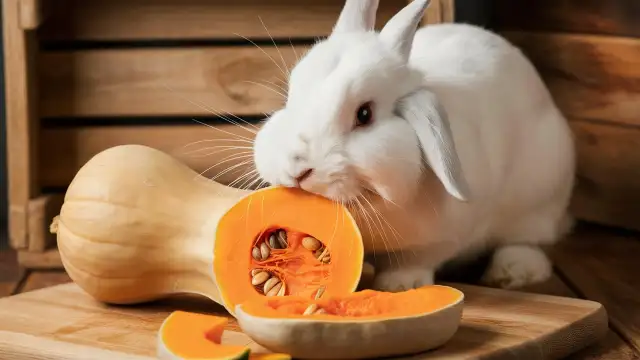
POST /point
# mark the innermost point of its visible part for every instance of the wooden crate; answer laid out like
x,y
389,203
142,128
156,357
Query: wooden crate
x,y
82,76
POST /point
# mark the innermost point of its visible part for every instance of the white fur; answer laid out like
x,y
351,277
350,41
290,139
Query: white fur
x,y
502,178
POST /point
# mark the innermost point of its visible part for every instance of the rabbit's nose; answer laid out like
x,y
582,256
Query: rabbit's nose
x,y
304,174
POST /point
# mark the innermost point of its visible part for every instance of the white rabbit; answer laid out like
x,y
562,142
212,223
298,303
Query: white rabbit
x,y
445,135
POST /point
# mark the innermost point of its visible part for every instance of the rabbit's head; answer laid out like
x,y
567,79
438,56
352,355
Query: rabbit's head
x,y
357,118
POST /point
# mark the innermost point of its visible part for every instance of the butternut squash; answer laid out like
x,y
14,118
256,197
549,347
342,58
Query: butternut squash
x,y
363,324
138,225
193,336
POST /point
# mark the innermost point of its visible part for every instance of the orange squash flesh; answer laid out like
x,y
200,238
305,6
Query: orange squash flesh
x,y
196,336
361,305
184,335
300,214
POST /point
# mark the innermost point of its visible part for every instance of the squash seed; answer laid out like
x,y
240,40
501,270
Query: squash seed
x,y
320,292
320,311
282,239
256,254
311,243
310,309
273,241
326,259
323,253
260,277
270,284
255,271
274,290
264,251
282,290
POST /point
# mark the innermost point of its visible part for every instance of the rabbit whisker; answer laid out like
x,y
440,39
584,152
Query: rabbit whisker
x,y
264,52
276,46
211,110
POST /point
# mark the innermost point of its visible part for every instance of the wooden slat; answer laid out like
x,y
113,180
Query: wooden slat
x,y
10,272
205,149
591,77
619,17
607,189
31,14
20,113
49,259
196,19
604,267
176,81
439,11
43,279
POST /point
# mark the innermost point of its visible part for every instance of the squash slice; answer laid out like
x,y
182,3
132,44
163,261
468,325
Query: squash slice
x,y
193,336
364,324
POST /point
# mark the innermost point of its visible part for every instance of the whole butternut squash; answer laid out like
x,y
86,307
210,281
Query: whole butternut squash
x,y
137,225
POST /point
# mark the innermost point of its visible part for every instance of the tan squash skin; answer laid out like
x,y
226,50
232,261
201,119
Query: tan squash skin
x,y
353,339
184,207
138,225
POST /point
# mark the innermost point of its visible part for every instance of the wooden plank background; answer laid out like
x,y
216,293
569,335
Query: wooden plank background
x,y
614,17
205,81
588,54
73,20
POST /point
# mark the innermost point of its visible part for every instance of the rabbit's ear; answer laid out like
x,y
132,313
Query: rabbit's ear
x,y
356,15
399,31
429,120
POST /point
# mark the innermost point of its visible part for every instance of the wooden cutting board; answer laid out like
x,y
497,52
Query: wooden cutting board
x,y
64,323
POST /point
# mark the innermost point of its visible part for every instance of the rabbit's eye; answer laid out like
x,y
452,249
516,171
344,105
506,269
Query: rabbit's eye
x,y
364,114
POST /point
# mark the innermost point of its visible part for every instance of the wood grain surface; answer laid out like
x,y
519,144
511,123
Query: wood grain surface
x,y
619,17
44,279
590,77
242,80
216,151
611,347
607,188
604,267
196,19
55,322
20,94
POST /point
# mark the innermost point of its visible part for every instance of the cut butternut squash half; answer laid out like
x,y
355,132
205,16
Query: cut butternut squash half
x,y
193,336
364,324
138,225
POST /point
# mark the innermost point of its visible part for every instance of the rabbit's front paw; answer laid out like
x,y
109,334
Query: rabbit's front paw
x,y
400,279
515,266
